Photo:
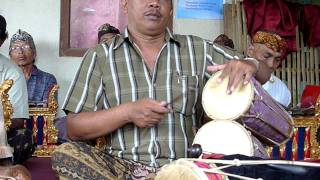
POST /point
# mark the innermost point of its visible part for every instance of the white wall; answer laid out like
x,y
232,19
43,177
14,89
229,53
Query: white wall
x,y
207,29
41,18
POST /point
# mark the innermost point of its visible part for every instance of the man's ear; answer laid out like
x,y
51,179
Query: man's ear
x,y
124,5
34,55
250,49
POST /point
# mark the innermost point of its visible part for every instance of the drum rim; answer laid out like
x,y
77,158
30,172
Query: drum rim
x,y
245,109
247,133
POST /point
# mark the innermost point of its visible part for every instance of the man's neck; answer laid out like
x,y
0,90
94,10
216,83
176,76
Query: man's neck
x,y
148,41
27,70
149,45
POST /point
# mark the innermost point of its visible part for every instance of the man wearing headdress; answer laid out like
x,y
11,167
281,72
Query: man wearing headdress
x,y
224,40
18,137
270,48
106,32
23,52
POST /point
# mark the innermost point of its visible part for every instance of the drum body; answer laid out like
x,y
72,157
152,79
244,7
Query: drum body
x,y
228,137
251,106
267,119
183,169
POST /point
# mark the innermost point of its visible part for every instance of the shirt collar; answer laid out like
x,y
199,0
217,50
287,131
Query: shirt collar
x,y
35,70
125,36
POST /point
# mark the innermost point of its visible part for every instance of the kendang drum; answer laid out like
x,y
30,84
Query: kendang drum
x,y
184,169
228,137
251,106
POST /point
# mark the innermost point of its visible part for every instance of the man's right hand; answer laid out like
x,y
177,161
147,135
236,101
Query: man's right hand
x,y
147,113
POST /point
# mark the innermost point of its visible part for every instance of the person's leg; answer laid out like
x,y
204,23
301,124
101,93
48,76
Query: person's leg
x,y
78,160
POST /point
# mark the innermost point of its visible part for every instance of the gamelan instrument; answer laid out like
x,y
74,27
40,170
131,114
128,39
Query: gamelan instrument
x,y
249,105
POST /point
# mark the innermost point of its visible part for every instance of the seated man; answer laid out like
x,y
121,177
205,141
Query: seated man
x,y
141,91
22,51
19,137
106,32
269,48
39,83
224,40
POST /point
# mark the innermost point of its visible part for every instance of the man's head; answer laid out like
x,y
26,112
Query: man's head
x,y
22,49
148,17
106,32
224,40
267,47
3,30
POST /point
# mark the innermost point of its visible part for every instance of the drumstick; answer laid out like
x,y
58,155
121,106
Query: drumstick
x,y
238,162
174,100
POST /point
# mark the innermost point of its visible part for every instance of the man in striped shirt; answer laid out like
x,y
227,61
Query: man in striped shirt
x,y
141,91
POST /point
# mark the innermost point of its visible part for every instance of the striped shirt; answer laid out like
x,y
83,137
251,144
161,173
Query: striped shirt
x,y
115,73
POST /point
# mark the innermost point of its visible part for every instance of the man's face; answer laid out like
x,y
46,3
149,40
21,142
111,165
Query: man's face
x,y
21,53
148,16
106,37
264,54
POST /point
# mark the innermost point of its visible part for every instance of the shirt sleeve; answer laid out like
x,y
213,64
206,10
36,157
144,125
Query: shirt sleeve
x,y
219,55
86,89
51,82
18,94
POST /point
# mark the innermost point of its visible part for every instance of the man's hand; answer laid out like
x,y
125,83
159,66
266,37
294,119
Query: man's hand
x,y
239,71
147,112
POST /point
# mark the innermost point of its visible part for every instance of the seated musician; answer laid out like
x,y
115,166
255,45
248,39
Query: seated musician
x,y
106,32
22,51
142,91
224,40
19,137
269,47
39,83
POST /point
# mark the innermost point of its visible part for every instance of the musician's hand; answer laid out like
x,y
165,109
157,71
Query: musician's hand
x,y
239,71
147,112
21,173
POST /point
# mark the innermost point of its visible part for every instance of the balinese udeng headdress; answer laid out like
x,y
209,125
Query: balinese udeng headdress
x,y
271,40
21,35
107,28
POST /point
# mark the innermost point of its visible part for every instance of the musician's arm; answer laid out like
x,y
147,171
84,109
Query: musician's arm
x,y
220,55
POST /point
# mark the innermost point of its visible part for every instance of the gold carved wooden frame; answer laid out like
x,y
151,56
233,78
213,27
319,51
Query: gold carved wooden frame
x,y
49,113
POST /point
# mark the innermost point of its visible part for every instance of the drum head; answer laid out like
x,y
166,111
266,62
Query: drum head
x,y
222,106
224,137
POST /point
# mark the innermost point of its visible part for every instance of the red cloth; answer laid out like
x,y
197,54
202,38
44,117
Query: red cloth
x,y
310,95
310,25
282,17
271,15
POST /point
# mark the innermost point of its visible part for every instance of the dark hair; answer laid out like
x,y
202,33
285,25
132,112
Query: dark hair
x,y
3,28
105,29
224,40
